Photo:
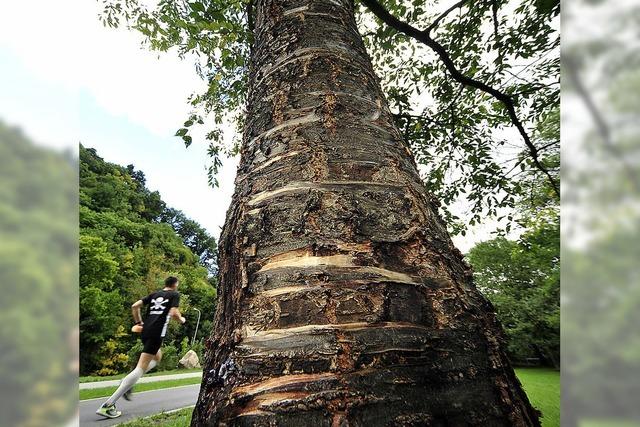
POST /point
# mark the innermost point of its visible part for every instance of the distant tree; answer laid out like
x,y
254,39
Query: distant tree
x,y
522,280
194,236
522,277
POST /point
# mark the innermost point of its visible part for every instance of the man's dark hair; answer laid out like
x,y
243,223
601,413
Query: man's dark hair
x,y
170,281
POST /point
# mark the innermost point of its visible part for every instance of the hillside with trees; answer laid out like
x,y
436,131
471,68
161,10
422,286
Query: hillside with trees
x,y
130,240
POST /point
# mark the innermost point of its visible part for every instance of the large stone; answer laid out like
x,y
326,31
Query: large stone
x,y
190,360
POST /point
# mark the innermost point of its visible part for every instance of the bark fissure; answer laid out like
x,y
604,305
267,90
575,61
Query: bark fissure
x,y
342,300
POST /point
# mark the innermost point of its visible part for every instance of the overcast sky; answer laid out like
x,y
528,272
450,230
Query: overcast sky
x,y
86,83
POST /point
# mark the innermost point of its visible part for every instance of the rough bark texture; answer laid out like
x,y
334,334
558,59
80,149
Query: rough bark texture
x,y
343,301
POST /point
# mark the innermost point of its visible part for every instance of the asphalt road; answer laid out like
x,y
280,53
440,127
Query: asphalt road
x,y
143,404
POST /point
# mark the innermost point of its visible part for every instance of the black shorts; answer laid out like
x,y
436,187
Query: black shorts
x,y
151,345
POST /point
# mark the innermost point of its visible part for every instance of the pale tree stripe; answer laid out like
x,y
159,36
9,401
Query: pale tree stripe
x,y
322,185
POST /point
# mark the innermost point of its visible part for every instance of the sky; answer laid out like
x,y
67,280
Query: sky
x,y
74,81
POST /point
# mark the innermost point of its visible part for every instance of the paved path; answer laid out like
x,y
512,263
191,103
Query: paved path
x,y
111,383
144,403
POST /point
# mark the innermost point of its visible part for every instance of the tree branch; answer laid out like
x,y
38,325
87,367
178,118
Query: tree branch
x,y
424,37
435,23
250,22
494,14
551,144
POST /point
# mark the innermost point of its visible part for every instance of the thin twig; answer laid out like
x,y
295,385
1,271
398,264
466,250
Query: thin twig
x,y
435,23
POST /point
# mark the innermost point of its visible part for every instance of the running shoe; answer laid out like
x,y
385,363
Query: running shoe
x,y
108,411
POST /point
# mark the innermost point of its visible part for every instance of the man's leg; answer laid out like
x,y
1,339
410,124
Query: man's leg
x,y
131,379
128,395
155,361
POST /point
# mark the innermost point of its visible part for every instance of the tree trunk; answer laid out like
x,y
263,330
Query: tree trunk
x,y
342,300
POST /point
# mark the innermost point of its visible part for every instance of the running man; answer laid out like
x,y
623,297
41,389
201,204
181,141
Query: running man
x,y
161,307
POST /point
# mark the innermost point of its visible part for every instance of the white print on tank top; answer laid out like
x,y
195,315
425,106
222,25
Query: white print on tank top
x,y
158,305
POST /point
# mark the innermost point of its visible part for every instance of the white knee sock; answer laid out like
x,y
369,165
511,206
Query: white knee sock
x,y
152,365
126,384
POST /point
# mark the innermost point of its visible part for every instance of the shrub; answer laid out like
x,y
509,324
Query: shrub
x,y
112,359
134,354
198,347
169,358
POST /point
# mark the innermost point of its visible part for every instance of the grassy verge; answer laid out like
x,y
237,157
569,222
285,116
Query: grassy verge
x,y
543,388
607,423
181,418
90,379
93,393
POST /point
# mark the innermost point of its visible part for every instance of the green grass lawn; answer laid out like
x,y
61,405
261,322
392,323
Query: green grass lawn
x,y
543,388
93,393
607,423
90,379
181,418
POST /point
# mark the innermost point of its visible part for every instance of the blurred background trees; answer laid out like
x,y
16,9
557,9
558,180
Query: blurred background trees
x,y
39,282
601,228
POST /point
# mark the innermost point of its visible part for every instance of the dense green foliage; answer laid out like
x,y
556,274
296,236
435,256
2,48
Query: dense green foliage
x,y
522,280
471,146
129,242
38,272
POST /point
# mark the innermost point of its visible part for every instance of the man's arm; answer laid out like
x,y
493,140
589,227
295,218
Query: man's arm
x,y
135,310
175,313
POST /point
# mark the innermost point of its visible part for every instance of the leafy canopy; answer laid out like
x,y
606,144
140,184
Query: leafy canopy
x,y
462,137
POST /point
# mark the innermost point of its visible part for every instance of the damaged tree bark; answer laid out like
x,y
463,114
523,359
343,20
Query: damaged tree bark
x,y
342,300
